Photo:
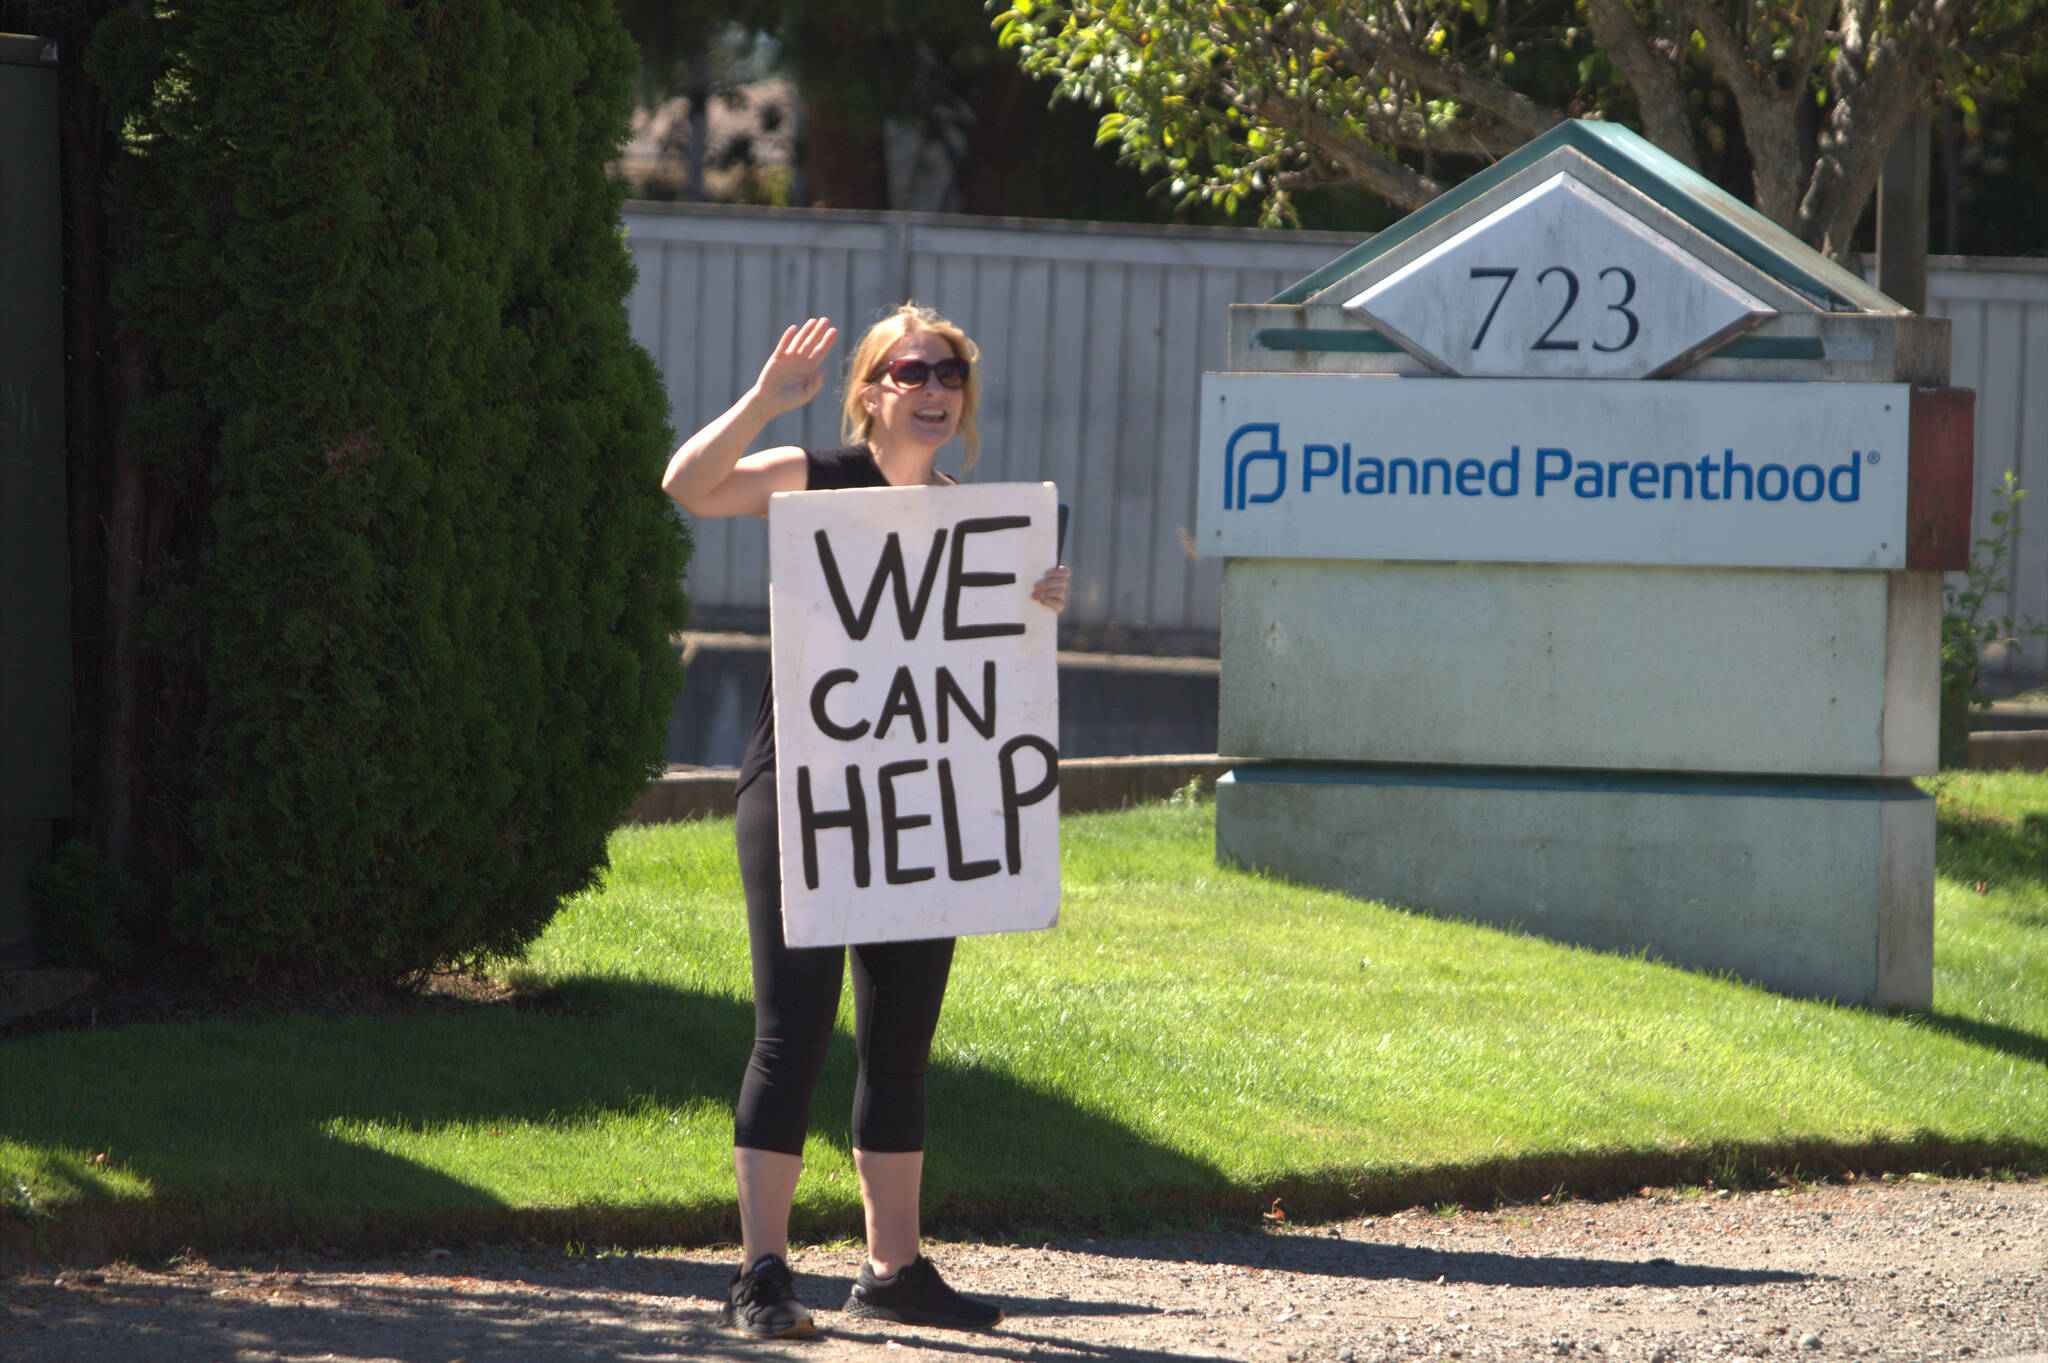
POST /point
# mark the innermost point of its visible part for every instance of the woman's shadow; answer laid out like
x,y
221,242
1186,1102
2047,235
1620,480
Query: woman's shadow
x,y
223,1121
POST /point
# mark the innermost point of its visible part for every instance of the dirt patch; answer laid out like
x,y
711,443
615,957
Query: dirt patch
x,y
1906,1270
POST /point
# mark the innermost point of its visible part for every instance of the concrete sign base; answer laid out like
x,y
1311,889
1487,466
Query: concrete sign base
x,y
1822,888
1584,536
1582,665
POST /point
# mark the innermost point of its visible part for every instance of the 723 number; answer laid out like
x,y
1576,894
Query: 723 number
x,y
1549,340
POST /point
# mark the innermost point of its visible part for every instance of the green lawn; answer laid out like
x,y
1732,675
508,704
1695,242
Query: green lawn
x,y
1191,1041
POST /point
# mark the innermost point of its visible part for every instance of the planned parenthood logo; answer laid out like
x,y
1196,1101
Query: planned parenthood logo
x,y
1595,471
1333,469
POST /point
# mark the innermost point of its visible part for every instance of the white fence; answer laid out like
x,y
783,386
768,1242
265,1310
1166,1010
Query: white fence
x,y
1999,312
1094,339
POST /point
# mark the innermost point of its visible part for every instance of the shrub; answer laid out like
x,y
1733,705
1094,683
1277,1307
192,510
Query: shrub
x,y
85,909
1965,628
375,263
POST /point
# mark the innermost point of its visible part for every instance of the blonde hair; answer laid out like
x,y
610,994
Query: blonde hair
x,y
865,369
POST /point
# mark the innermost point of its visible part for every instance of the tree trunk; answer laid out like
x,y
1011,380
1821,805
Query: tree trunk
x,y
698,93
843,160
1008,113
1660,95
124,521
1902,218
89,409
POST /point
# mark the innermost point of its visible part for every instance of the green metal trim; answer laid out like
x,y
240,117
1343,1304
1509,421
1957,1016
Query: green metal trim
x,y
1661,178
1431,213
1327,341
1726,219
1772,348
25,49
1334,342
1521,780
1305,288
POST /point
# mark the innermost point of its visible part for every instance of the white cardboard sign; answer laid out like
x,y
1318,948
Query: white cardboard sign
x,y
1744,475
916,711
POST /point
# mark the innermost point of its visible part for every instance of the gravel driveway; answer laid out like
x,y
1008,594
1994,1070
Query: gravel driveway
x,y
1905,1270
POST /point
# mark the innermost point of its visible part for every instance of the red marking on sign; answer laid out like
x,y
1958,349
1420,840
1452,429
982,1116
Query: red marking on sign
x,y
1942,434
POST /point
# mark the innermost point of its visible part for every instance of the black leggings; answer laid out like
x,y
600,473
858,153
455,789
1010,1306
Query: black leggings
x,y
897,990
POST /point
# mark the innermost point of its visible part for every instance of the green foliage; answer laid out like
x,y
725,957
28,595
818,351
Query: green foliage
x,y
1250,104
1966,628
85,908
1181,98
376,266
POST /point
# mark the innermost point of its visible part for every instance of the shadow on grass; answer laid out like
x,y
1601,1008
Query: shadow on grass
x,y
1990,1035
242,1130
2013,853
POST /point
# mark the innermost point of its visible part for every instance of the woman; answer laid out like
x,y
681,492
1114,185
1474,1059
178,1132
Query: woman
x,y
911,387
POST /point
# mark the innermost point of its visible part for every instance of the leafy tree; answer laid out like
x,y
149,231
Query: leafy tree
x,y
1255,102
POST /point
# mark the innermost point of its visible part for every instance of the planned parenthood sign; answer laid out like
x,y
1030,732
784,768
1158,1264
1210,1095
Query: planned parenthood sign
x,y
916,712
1762,475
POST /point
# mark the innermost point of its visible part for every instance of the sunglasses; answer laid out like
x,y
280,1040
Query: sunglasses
x,y
913,373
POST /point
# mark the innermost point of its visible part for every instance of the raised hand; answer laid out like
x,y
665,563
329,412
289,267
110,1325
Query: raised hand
x,y
796,371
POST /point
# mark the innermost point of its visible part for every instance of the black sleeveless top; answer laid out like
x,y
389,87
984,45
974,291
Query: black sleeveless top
x,y
826,470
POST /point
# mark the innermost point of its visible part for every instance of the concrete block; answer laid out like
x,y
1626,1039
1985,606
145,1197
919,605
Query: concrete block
x,y
1815,888
681,796
723,675
1090,785
1119,705
2009,750
1726,670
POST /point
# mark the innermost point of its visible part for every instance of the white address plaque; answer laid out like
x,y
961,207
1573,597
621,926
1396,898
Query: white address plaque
x,y
1558,283
1763,475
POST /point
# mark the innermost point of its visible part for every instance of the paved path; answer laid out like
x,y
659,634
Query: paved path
x,y
1908,1271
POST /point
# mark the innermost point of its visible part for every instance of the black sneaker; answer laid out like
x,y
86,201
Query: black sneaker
x,y
762,1302
917,1295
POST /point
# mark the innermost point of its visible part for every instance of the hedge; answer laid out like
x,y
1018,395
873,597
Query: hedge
x,y
376,267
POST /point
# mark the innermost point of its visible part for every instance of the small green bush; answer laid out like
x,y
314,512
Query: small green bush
x,y
1966,628
376,267
85,908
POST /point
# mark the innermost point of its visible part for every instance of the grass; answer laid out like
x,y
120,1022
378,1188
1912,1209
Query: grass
x,y
1190,1042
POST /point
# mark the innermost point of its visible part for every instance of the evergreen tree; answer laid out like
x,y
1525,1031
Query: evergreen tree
x,y
416,628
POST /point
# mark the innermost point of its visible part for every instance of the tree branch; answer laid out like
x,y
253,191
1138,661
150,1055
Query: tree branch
x,y
1879,83
2021,35
1484,140
1370,168
1769,124
1659,94
1451,80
